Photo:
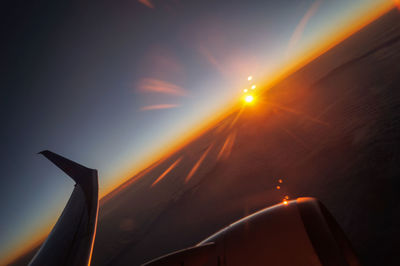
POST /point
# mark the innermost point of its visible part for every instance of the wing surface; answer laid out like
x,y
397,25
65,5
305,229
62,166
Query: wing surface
x,y
71,239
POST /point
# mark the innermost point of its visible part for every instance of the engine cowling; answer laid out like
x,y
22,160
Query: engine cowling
x,y
299,232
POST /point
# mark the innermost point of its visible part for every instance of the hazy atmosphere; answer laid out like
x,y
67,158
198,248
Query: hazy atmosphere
x,y
115,85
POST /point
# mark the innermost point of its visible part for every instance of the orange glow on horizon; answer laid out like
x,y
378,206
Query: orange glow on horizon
x,y
132,174
397,4
334,39
306,58
36,238
272,80
280,75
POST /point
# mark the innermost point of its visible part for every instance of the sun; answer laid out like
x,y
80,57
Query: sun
x,y
249,98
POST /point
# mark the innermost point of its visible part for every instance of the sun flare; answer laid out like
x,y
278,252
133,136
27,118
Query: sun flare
x,y
249,98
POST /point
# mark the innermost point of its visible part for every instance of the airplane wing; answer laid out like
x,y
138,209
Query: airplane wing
x,y
71,239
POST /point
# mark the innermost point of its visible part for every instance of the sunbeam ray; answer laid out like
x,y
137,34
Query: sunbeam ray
x,y
197,164
296,138
227,147
296,112
172,166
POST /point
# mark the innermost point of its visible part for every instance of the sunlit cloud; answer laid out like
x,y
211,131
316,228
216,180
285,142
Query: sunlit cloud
x,y
172,166
160,86
158,107
299,30
147,3
212,59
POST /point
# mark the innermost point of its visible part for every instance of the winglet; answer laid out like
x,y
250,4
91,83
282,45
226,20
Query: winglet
x,y
76,171
82,175
71,240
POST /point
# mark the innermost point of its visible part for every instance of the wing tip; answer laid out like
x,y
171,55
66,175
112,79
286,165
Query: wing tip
x,y
77,172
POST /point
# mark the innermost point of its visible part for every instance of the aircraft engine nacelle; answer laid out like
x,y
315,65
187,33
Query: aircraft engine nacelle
x,y
300,232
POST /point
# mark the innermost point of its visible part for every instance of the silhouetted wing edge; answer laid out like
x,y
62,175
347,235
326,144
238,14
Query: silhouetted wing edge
x,y
71,239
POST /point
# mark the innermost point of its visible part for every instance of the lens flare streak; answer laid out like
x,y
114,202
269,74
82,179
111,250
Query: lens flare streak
x,y
297,139
236,117
296,112
226,149
197,164
132,180
220,128
172,166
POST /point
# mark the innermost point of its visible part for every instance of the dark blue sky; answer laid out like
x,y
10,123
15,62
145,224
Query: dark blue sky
x,y
110,83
